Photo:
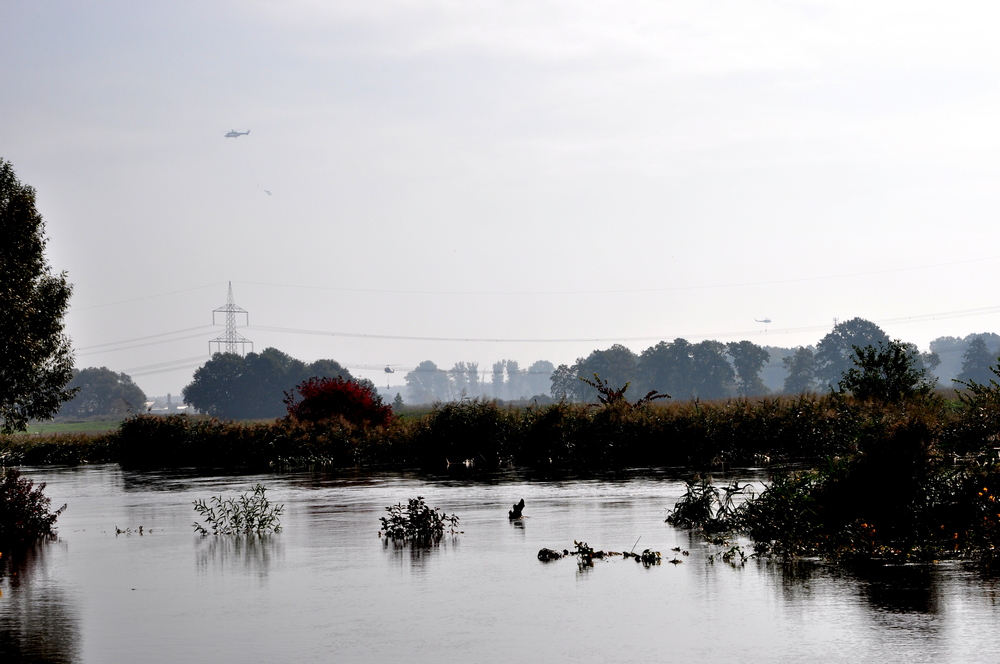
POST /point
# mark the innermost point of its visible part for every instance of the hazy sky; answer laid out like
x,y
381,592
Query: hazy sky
x,y
575,173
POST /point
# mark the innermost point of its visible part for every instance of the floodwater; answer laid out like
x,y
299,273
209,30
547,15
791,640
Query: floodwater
x,y
327,589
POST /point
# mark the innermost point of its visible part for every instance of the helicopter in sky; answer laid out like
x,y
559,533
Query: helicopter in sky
x,y
763,320
236,134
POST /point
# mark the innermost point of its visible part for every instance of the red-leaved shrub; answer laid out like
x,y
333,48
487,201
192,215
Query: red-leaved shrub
x,y
323,398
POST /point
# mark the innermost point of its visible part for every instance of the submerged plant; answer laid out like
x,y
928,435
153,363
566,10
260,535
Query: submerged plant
x,y
416,523
251,513
24,510
704,506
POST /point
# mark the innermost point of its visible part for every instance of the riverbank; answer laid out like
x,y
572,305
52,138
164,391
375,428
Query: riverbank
x,y
484,434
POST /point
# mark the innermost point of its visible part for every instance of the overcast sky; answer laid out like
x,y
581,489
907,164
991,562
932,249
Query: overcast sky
x,y
574,173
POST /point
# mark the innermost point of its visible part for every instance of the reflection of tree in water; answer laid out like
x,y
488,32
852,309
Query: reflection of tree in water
x,y
416,555
899,588
38,623
251,554
884,588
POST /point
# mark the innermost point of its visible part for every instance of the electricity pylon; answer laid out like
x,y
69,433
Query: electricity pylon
x,y
232,341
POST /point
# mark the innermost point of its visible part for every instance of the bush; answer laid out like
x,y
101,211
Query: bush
x,y
24,510
251,513
324,398
416,523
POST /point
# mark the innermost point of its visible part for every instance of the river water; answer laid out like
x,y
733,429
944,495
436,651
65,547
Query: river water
x,y
328,589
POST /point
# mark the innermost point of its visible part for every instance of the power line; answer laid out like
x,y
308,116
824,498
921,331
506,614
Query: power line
x,y
151,336
165,370
151,343
619,291
161,365
145,297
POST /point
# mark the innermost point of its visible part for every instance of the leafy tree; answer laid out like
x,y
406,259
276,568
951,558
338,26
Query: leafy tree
x,y
426,384
538,378
464,378
976,362
801,368
36,359
217,387
668,367
397,403
253,387
498,380
322,398
712,373
102,393
266,377
748,359
616,365
889,373
835,352
565,383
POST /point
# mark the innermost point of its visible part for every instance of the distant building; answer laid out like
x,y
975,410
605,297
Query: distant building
x,y
167,406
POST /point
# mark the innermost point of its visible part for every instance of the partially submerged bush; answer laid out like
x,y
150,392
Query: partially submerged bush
x,y
24,510
251,513
417,523
703,505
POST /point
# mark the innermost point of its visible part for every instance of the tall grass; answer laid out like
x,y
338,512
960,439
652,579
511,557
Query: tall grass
x,y
485,434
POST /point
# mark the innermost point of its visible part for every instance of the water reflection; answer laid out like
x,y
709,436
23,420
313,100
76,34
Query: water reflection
x,y
38,621
417,556
899,588
249,554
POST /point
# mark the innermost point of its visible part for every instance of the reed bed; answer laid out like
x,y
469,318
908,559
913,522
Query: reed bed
x,y
485,434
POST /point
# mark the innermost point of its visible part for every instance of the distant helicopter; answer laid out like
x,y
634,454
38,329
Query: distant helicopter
x,y
389,370
766,320
236,134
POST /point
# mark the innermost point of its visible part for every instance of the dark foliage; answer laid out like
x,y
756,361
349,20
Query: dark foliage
x,y
323,398
887,373
416,523
234,387
24,510
36,359
102,393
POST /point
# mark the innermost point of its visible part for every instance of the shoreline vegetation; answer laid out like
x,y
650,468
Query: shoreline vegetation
x,y
900,471
738,432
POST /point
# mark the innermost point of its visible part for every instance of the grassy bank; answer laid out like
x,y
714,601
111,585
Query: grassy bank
x,y
54,428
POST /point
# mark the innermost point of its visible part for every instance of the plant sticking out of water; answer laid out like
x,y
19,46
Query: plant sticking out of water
x,y
251,513
417,523
703,505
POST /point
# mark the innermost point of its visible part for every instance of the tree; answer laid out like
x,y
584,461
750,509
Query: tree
x,y
668,367
253,387
217,387
36,359
616,365
565,383
835,351
427,384
748,360
538,378
976,362
712,373
102,393
801,368
889,373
